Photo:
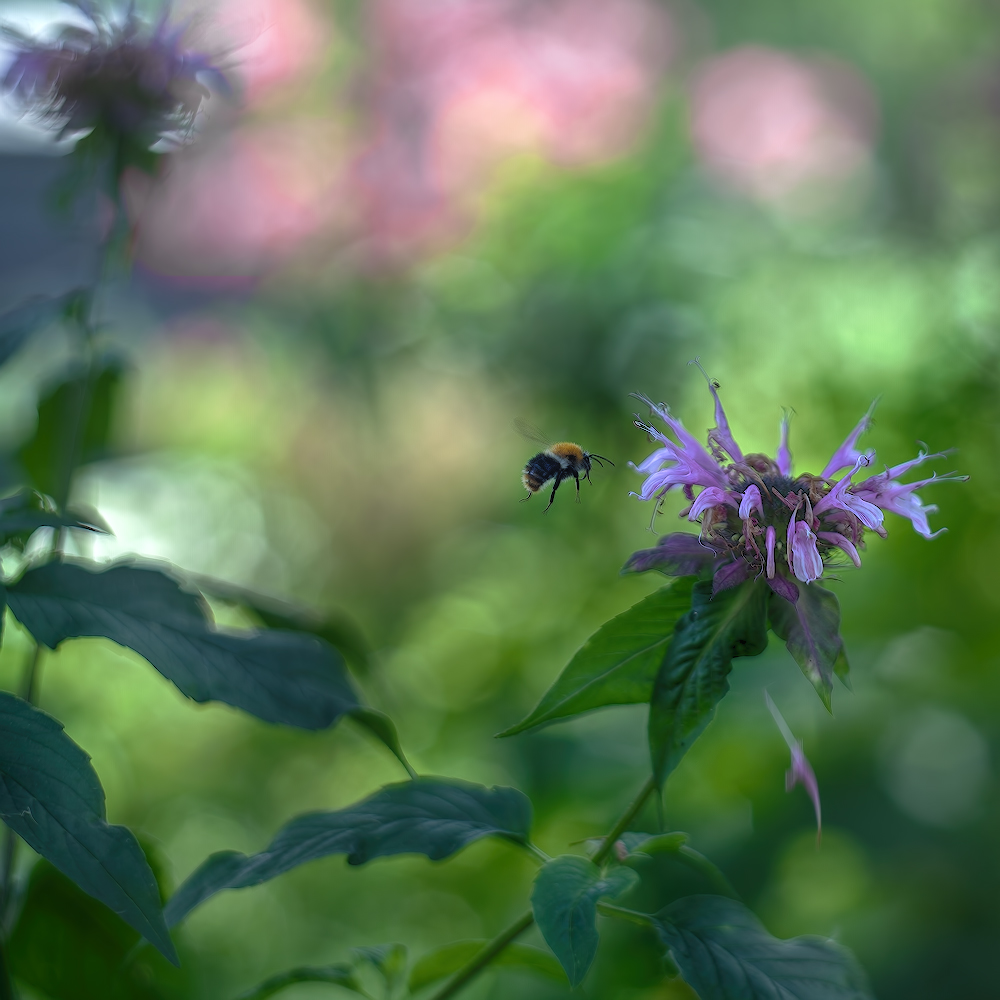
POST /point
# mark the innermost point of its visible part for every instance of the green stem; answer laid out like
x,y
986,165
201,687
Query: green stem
x,y
633,916
7,991
538,854
480,961
624,822
500,942
29,683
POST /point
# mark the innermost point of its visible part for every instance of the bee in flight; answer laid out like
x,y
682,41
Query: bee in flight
x,y
559,461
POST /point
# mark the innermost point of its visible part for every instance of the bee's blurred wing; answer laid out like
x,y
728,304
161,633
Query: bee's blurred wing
x,y
530,432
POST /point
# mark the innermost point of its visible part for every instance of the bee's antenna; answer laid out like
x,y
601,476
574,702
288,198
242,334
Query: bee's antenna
x,y
601,460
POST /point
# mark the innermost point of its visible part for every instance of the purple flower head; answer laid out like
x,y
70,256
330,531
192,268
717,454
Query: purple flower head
x,y
753,510
122,77
801,771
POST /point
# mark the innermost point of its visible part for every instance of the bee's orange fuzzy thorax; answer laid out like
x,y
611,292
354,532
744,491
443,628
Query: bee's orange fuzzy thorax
x,y
566,449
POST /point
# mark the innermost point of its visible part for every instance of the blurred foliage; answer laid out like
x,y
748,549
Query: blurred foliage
x,y
346,438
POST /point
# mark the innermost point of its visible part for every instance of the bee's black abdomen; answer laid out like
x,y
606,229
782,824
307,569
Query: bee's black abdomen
x,y
540,469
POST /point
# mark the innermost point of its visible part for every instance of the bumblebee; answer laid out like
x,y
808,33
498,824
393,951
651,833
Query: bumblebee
x,y
559,461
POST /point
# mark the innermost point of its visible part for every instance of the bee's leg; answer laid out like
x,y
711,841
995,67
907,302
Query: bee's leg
x,y
576,476
552,496
528,497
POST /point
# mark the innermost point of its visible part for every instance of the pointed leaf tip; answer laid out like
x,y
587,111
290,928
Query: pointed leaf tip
x,y
51,797
725,953
564,901
435,817
288,678
617,664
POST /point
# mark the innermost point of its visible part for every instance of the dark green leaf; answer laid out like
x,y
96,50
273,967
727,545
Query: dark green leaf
x,y
725,953
811,630
692,679
389,960
26,511
281,677
431,816
51,797
95,953
74,422
336,975
564,902
383,728
338,629
644,845
452,957
618,663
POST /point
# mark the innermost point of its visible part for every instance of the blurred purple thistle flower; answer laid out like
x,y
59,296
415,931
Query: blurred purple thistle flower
x,y
123,77
752,506
801,771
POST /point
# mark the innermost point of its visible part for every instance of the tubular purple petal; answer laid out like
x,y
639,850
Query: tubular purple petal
x,y
847,453
801,770
751,501
784,456
769,544
721,433
711,496
836,538
807,565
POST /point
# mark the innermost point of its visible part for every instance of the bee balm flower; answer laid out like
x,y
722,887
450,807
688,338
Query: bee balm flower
x,y
125,80
757,517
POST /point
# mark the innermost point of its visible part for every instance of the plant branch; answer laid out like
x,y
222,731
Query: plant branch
x,y
500,942
632,916
29,683
625,821
489,952
537,853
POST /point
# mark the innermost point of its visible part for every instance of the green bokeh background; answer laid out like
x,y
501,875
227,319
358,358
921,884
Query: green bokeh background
x,y
348,444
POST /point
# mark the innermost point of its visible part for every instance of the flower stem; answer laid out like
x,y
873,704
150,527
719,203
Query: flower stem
x,y
625,821
480,961
29,683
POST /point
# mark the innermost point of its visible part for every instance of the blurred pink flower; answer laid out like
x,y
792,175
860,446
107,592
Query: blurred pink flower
x,y
460,86
454,89
272,42
238,207
766,122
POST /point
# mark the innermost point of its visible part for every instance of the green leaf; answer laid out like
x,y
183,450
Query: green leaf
x,y
336,975
51,797
449,959
431,816
644,845
26,511
389,960
281,677
564,902
725,953
382,728
337,628
618,663
692,679
96,960
811,630
74,422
